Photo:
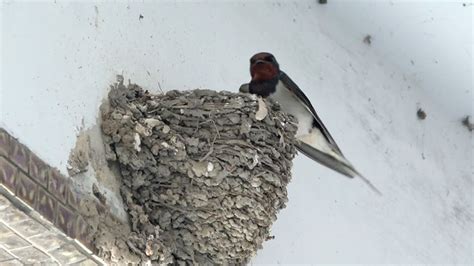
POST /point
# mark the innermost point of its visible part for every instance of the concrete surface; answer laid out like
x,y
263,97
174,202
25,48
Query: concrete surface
x,y
58,59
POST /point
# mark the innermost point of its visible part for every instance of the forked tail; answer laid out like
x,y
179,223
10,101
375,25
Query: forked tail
x,y
342,167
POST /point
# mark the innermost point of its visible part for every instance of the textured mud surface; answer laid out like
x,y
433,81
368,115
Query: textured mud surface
x,y
204,173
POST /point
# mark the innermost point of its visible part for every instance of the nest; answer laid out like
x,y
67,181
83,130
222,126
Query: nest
x,y
204,173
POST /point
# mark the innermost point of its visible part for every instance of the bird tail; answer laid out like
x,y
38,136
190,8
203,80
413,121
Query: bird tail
x,y
341,166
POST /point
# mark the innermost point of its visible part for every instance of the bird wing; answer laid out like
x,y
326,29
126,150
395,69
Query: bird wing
x,y
335,164
339,166
305,101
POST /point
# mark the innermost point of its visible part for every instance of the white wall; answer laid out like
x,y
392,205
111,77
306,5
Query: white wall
x,y
58,59
429,43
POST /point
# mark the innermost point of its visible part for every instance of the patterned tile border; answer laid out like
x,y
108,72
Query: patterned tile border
x,y
38,211
26,238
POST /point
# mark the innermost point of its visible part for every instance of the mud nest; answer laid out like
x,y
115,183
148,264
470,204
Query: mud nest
x,y
204,173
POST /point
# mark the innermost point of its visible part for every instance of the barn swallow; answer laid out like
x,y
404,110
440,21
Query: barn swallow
x,y
314,140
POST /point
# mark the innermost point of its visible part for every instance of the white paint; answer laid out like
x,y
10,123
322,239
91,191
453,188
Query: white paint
x,y
429,42
57,64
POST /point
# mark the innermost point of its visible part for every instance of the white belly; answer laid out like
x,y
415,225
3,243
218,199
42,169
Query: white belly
x,y
291,105
306,133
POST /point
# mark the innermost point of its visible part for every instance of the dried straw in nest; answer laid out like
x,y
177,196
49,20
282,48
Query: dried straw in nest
x,y
204,173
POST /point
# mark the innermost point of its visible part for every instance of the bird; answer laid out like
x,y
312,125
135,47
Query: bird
x,y
314,139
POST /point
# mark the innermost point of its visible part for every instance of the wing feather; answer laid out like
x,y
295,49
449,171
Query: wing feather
x,y
286,80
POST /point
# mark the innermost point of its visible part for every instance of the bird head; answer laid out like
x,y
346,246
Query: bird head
x,y
263,66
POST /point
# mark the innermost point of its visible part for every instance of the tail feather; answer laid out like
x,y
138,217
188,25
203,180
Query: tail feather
x,y
340,166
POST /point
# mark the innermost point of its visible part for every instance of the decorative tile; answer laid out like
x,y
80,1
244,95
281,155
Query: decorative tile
x,y
29,228
4,203
4,143
19,154
30,255
45,204
67,254
50,262
66,220
87,262
4,255
7,174
3,228
57,184
39,170
83,232
11,262
73,197
24,240
11,240
48,240
26,189
12,215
